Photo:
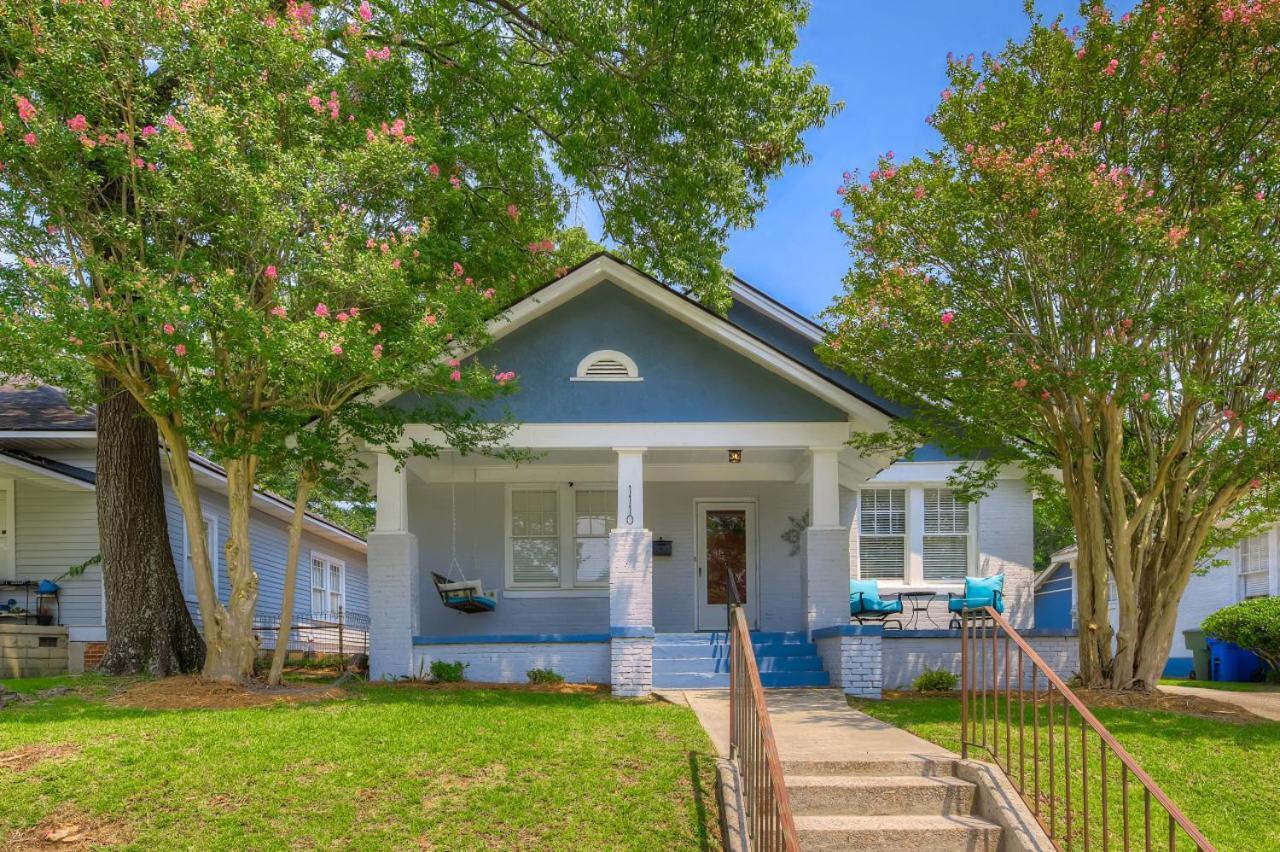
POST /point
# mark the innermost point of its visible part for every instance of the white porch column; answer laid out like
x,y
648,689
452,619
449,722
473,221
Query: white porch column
x,y
826,545
631,583
393,576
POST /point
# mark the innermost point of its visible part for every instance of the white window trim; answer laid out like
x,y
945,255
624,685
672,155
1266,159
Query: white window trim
x,y
1241,582
189,568
329,562
913,571
9,558
567,517
633,371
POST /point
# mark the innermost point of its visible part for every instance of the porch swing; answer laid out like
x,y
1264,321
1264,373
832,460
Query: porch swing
x,y
461,594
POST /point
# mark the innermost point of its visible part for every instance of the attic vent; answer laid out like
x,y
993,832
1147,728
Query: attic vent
x,y
607,365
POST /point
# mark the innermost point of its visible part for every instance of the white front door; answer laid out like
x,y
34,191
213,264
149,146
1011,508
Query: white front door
x,y
726,550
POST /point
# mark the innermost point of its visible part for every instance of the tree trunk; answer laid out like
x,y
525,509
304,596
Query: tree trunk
x,y
149,629
305,481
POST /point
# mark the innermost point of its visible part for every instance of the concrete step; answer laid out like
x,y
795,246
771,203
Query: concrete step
x,y
910,833
684,650
875,765
717,680
868,795
794,663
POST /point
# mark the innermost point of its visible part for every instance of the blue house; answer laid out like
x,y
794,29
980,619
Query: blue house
x,y
677,450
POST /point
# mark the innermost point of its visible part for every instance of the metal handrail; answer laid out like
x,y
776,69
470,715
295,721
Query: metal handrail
x,y
751,744
982,691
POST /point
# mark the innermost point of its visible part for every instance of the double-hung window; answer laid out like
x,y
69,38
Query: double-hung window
x,y
946,536
882,534
559,537
328,586
1255,566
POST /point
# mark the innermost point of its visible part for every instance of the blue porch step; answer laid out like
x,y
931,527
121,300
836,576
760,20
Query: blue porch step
x,y
701,660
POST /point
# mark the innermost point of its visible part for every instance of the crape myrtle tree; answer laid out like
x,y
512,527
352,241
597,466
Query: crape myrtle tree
x,y
1083,279
250,215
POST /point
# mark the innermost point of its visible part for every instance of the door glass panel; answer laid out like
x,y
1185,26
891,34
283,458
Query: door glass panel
x,y
726,553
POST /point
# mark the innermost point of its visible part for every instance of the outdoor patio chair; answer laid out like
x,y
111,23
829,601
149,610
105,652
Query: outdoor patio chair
x,y
979,592
866,604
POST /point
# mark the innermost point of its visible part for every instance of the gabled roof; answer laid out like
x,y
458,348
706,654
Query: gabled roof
x,y
41,408
758,327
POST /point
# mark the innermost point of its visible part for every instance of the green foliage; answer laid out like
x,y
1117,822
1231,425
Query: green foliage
x,y
935,680
1052,527
1253,625
550,676
1084,278
448,672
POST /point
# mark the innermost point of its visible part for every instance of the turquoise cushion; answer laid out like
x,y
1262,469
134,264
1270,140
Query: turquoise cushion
x,y
870,600
869,589
483,600
983,589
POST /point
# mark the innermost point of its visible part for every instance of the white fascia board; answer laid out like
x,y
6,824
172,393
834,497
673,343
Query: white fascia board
x,y
562,436
35,471
924,473
761,303
49,434
587,473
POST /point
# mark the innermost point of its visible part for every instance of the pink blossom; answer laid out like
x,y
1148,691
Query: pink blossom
x,y
354,311
488,294
279,311
365,13
371,243
1097,126
168,328
301,12
434,170
343,317
180,350
174,125
455,182
947,318
29,139
918,192
77,124
1019,384
429,319
1146,395
457,269
270,273
836,214
1110,70
377,351
26,111
1176,235
513,211
946,94
1044,394
454,362
1260,195
336,349
149,131
456,376
324,335
317,105
395,264
1080,53
1272,396
321,310
384,248
377,327
409,138
1255,484
397,127
1228,414
370,135
30,262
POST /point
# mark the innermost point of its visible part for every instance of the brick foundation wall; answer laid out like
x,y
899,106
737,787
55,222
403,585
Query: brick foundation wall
x,y
907,653
852,655
29,650
93,654
508,662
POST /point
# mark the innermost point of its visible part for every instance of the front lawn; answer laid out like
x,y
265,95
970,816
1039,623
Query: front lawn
x,y
377,767
1226,686
1224,774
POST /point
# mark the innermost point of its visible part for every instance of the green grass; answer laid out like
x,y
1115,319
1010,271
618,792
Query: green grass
x,y
383,767
1226,686
1225,775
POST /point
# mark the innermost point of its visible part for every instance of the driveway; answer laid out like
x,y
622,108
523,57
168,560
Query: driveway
x,y
1264,704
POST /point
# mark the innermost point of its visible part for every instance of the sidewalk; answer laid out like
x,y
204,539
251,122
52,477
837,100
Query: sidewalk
x,y
809,725
1264,704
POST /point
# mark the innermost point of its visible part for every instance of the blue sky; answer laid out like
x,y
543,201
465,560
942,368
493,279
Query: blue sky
x,y
887,62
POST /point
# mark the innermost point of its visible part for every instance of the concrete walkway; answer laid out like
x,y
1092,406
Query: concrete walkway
x,y
1264,704
809,725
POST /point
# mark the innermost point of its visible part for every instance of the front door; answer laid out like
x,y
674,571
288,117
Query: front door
x,y
726,552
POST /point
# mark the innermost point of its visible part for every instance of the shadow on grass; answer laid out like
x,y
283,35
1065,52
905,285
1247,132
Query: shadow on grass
x,y
699,803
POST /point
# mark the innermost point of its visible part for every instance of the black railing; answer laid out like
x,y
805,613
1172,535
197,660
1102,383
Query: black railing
x,y
317,634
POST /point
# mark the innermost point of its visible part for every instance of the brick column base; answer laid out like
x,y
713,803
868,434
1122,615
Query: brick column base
x,y
631,666
631,612
393,603
851,654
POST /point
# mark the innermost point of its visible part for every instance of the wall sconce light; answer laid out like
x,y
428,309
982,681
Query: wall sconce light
x,y
735,456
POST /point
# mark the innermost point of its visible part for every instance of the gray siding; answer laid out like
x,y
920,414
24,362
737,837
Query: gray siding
x,y
55,529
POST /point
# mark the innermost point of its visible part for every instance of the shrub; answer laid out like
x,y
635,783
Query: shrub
x,y
544,676
935,680
447,672
1253,625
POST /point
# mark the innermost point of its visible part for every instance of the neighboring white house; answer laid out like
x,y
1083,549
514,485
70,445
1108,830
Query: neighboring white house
x,y
675,448
1246,570
48,522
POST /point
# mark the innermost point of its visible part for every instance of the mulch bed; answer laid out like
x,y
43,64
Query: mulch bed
x,y
1192,705
470,685
194,693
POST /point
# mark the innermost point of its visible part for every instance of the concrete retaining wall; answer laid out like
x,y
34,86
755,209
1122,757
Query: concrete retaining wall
x,y
579,662
907,653
29,650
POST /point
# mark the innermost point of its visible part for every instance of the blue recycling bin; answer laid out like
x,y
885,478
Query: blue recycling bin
x,y
1230,662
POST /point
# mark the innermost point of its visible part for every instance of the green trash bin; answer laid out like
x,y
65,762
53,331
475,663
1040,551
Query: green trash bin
x,y
1199,648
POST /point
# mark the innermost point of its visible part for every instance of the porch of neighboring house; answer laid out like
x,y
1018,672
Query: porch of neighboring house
x,y
608,556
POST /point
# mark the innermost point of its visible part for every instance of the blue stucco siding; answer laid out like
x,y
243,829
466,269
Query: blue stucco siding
x,y
1053,599
687,376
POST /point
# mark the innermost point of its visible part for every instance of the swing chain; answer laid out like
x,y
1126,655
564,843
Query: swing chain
x,y
630,518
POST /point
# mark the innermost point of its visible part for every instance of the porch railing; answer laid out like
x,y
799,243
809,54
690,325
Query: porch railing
x,y
770,823
1016,710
